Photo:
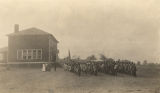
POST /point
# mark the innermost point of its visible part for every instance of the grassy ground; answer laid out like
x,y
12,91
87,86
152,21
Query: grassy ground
x,y
32,80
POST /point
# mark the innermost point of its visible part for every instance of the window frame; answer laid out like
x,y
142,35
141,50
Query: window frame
x,y
29,52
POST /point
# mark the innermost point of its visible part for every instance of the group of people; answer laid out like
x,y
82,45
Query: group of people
x,y
120,66
108,67
81,67
127,67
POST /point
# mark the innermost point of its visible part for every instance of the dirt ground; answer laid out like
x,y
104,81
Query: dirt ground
x,y
33,80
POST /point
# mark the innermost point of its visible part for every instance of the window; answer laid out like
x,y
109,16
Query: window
x,y
34,54
39,55
29,54
19,54
24,54
1,57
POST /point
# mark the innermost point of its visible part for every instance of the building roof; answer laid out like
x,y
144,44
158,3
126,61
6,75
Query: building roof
x,y
31,31
3,49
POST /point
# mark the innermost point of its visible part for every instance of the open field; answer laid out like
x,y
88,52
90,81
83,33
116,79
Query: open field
x,y
32,80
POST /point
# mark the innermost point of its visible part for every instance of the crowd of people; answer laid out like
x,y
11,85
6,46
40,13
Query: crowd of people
x,y
95,67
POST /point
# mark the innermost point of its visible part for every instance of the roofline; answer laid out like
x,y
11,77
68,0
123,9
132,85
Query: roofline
x,y
25,30
15,34
54,38
26,34
35,35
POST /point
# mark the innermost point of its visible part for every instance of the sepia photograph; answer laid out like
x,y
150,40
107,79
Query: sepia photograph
x,y
79,46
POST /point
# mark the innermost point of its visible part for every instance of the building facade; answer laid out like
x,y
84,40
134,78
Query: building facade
x,y
3,54
32,45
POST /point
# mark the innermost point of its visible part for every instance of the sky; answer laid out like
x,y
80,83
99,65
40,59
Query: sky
x,y
120,29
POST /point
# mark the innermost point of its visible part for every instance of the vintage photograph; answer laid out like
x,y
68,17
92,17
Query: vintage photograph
x,y
79,46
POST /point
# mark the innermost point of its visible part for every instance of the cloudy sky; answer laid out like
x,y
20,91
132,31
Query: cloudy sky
x,y
125,29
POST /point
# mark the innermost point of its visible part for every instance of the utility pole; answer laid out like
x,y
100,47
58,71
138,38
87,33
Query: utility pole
x,y
69,55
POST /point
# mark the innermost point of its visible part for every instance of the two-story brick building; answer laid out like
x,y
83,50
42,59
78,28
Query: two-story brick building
x,y
31,45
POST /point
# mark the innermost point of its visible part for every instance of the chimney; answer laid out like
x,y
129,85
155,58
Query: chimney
x,y
16,28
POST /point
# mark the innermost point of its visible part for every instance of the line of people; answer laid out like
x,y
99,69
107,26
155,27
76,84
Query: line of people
x,y
114,67
107,67
81,67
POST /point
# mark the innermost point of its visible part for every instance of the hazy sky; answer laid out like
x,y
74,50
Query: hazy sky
x,y
125,29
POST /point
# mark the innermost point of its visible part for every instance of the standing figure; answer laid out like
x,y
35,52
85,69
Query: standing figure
x,y
55,66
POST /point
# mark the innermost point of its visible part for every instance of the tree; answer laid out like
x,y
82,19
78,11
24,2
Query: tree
x,y
92,57
138,63
103,57
145,62
110,60
76,57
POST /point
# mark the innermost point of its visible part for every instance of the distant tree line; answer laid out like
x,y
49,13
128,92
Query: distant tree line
x,y
104,58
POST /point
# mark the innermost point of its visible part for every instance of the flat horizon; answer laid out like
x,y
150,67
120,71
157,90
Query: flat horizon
x,y
123,29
